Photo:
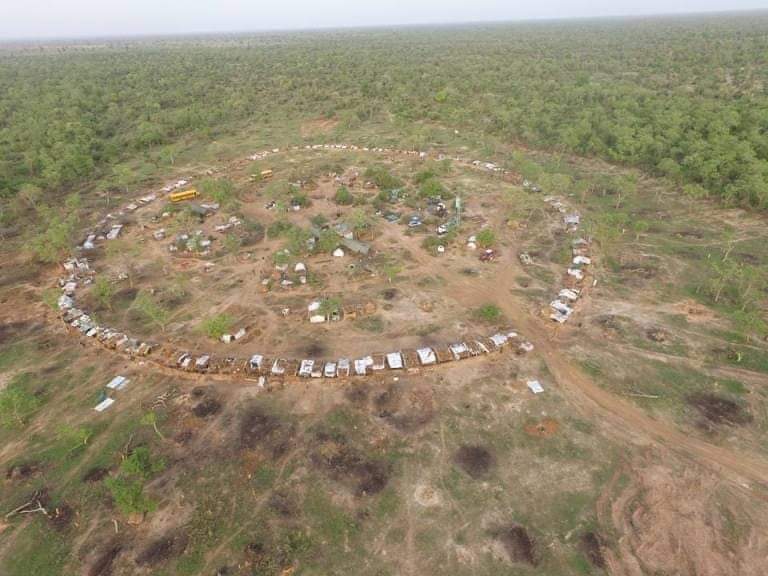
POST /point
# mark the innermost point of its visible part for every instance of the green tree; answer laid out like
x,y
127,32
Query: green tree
x,y
103,292
216,326
151,311
17,404
343,196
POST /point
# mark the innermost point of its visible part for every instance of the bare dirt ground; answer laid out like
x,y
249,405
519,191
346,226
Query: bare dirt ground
x,y
678,503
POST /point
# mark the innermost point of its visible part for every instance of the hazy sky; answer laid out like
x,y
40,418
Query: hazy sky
x,y
64,18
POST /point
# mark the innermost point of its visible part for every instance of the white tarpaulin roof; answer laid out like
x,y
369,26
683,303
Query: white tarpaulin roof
x,y
426,356
395,360
499,340
118,383
535,386
306,367
104,404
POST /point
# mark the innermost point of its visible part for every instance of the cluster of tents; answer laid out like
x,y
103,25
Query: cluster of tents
x,y
79,273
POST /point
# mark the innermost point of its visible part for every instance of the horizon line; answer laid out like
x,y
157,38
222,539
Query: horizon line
x,y
134,36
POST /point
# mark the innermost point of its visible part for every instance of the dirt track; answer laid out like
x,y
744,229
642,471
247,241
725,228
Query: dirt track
x,y
624,418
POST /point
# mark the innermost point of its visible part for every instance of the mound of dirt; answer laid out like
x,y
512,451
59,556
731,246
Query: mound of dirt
x,y
348,465
657,335
518,543
61,516
592,546
102,565
475,460
717,410
694,311
22,471
162,549
543,428
95,474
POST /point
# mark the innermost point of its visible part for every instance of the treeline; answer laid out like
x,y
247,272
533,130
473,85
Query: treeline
x,y
680,97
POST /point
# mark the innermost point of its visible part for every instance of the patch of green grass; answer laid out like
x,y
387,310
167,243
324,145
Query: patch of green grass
x,y
734,386
747,358
264,477
387,504
190,563
12,355
489,313
38,551
332,523
373,324
19,401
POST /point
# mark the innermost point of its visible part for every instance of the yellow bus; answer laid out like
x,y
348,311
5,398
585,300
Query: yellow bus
x,y
266,174
185,195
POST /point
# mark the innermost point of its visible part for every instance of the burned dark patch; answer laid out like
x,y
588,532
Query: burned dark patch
x,y
21,273
357,394
13,330
315,349
386,401
162,549
718,410
350,466
282,504
207,407
184,437
258,429
390,294
199,392
22,471
747,258
518,543
102,566
407,413
96,474
475,460
592,545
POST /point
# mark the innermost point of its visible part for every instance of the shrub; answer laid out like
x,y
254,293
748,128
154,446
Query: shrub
x,y
128,494
127,488
488,313
343,196
151,311
486,238
103,292
221,190
431,188
382,178
17,403
278,228
216,326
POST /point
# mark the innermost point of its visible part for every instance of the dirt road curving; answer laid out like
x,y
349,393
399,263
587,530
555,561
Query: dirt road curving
x,y
624,419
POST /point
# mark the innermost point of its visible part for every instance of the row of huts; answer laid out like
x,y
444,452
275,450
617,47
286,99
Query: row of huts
x,y
562,306
267,366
